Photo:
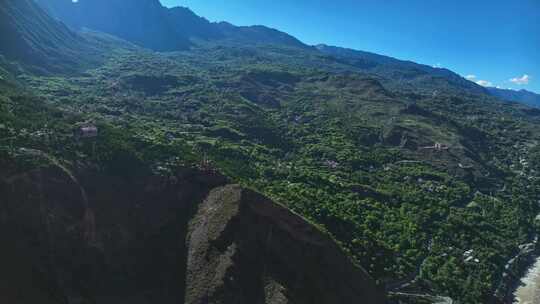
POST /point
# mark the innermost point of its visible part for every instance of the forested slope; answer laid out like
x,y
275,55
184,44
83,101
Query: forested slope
x,y
411,178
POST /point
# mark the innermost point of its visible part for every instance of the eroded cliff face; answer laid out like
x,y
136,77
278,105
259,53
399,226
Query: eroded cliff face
x,y
188,238
243,248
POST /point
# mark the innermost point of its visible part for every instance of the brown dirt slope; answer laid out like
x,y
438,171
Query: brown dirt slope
x,y
89,238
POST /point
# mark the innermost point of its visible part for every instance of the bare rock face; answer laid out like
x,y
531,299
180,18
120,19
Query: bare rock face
x,y
89,238
243,248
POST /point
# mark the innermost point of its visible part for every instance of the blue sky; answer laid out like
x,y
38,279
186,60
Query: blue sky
x,y
497,41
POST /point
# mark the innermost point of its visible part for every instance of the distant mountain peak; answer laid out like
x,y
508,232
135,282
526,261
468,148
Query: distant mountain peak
x,y
151,25
522,96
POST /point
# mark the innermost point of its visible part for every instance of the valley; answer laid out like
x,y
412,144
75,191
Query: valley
x,y
405,172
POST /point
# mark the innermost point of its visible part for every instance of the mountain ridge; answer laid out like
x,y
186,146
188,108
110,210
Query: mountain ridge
x,y
408,71
154,26
179,28
521,96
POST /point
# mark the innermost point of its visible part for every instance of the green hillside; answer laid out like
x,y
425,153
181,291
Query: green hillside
x,y
340,149
408,178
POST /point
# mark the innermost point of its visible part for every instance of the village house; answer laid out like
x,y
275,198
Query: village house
x,y
437,147
86,130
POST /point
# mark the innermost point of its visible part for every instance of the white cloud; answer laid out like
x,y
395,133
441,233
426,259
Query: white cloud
x,y
521,80
437,65
474,78
484,83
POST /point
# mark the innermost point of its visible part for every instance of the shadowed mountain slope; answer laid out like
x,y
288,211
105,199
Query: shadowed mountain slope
x,y
29,35
33,41
150,25
89,237
143,22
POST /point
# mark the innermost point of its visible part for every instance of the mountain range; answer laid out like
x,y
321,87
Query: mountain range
x,y
523,96
154,156
153,26
149,24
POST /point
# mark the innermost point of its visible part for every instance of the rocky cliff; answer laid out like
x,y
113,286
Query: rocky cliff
x,y
189,238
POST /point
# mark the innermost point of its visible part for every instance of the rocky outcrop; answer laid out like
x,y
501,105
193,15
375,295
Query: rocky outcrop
x,y
188,238
243,248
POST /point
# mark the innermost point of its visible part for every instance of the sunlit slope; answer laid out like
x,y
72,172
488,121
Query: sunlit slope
x,y
407,176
